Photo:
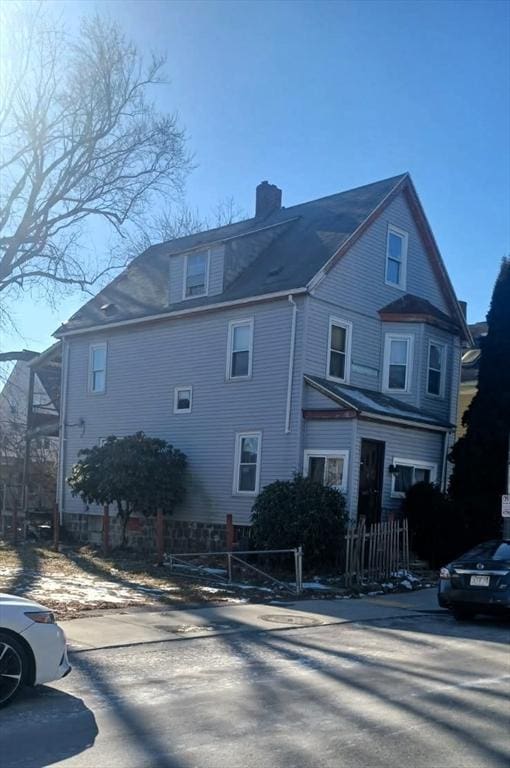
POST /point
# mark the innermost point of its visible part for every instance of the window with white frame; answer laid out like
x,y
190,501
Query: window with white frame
x,y
240,345
196,269
247,463
339,349
408,472
327,467
97,368
182,399
435,371
397,362
396,257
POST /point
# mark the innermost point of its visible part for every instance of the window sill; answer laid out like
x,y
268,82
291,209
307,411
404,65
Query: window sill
x,y
395,285
338,381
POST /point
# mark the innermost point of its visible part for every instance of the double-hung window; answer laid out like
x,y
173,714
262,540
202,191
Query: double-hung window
x,y
435,371
247,463
97,368
397,362
409,472
327,467
339,349
182,399
240,349
196,272
396,257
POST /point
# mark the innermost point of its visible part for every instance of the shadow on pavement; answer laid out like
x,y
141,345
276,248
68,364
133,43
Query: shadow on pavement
x,y
35,732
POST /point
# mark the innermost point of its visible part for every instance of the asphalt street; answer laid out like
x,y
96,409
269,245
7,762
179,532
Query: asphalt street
x,y
413,691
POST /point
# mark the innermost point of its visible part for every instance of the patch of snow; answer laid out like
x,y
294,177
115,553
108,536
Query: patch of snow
x,y
407,584
315,585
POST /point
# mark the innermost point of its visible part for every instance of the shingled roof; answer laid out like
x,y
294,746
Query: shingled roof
x,y
292,244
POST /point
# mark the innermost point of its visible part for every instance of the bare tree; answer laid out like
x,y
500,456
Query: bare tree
x,y
80,141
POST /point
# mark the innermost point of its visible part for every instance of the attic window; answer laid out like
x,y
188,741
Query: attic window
x,y
396,257
196,272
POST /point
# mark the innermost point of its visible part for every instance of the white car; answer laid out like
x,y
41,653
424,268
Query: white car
x,y
32,647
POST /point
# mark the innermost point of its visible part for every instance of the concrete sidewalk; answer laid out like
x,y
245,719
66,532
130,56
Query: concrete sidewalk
x,y
128,628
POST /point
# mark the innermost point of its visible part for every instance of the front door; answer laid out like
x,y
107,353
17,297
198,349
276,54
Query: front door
x,y
371,470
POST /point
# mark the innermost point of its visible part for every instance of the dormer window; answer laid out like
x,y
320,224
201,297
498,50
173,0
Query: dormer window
x,y
396,257
196,273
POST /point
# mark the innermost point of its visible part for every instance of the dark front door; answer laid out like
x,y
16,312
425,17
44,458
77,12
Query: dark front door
x,y
370,480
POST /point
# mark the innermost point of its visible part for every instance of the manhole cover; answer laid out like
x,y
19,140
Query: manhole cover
x,y
289,618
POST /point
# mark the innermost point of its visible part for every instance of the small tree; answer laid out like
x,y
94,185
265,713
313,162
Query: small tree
x,y
288,513
136,473
435,525
480,457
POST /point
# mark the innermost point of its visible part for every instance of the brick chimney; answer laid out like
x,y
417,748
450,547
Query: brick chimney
x,y
268,199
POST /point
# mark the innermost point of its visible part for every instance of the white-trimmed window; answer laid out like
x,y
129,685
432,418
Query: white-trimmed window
x,y
247,463
327,467
182,399
408,472
339,349
240,349
196,274
435,369
396,257
97,368
398,351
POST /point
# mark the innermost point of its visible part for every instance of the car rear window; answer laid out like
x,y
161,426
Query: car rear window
x,y
491,550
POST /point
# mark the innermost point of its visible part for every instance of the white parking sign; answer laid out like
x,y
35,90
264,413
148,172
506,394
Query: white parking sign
x,y
505,506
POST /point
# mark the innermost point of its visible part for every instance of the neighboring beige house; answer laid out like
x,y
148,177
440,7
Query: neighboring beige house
x,y
469,373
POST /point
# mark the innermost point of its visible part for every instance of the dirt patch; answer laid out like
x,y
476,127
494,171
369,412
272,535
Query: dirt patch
x,y
77,580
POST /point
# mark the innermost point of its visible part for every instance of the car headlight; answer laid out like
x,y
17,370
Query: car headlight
x,y
41,617
444,573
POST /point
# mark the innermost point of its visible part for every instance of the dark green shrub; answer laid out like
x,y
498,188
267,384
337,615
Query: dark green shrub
x,y
435,527
289,513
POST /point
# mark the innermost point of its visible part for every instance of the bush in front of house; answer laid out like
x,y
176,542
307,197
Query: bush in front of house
x,y
436,529
135,473
290,513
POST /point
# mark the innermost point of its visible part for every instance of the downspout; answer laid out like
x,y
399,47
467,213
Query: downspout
x,y
291,362
62,428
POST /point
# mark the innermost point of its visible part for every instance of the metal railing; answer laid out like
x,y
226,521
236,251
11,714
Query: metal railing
x,y
174,559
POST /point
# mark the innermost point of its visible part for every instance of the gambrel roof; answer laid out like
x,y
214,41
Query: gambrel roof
x,y
295,248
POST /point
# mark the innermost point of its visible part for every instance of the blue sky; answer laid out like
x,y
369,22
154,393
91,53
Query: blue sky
x,y
323,96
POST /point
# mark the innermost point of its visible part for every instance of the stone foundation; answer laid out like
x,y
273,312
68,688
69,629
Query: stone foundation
x,y
180,535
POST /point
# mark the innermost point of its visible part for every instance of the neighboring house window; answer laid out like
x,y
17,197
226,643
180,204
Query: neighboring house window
x,y
247,463
97,368
339,349
435,376
196,268
409,472
182,399
397,362
396,257
240,344
327,467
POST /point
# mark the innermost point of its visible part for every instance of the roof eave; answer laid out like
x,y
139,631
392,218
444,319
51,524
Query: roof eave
x,y
61,333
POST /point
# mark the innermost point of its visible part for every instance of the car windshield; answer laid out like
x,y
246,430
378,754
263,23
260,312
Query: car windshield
x,y
490,550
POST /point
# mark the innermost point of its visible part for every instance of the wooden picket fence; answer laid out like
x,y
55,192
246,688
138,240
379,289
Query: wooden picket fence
x,y
376,552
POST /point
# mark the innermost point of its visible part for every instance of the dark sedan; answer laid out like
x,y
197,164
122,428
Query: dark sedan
x,y
477,582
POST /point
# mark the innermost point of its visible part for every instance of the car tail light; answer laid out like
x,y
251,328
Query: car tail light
x,y
444,573
41,617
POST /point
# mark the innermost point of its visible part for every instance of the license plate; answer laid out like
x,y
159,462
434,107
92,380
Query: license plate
x,y
479,581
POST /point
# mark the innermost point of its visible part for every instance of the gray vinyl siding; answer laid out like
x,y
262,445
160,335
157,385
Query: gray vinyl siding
x,y
335,435
404,443
357,281
144,365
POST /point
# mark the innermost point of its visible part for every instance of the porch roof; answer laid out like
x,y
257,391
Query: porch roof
x,y
367,402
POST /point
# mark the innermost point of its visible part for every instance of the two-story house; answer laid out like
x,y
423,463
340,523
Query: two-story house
x,y
323,338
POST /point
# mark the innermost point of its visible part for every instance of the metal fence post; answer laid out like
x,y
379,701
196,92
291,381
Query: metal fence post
x,y
56,528
106,529
229,567
160,537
